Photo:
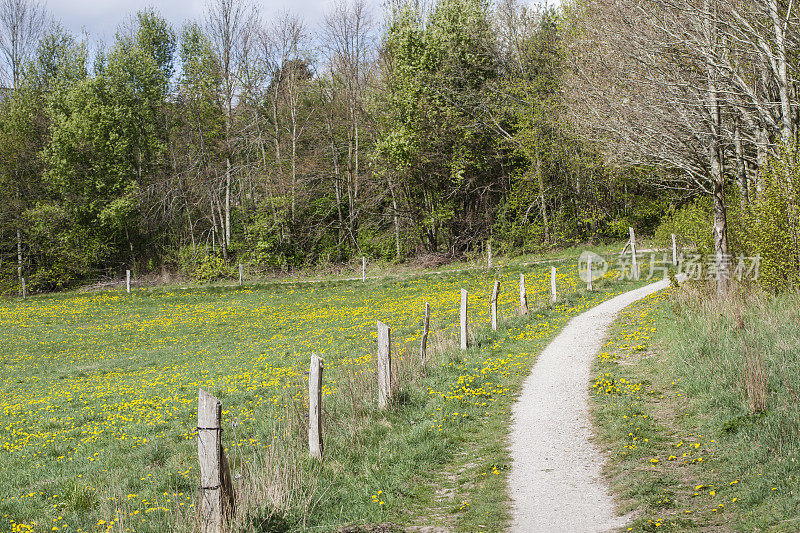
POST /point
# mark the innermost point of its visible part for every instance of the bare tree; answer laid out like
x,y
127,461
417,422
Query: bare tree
x,y
348,42
229,23
21,26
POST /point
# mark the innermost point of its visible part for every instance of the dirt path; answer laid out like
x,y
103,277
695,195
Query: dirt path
x,y
556,482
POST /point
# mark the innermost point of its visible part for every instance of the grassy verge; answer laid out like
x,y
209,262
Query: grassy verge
x,y
697,403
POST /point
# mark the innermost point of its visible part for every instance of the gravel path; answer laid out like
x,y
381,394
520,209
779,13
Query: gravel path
x,y
556,482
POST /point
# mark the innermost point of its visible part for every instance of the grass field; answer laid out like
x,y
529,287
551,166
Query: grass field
x,y
697,401
99,401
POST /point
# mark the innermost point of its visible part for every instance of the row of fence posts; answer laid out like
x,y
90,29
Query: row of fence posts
x,y
217,498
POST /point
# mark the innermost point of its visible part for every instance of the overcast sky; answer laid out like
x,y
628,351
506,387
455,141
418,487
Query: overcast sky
x,y
100,18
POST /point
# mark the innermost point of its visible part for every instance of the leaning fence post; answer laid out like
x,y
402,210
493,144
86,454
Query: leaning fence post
x,y
495,290
128,280
674,251
589,273
216,488
241,273
423,343
24,289
315,406
363,269
523,296
384,365
463,316
553,293
634,262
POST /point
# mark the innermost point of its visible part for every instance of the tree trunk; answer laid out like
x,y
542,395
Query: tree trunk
x,y
715,158
741,167
228,203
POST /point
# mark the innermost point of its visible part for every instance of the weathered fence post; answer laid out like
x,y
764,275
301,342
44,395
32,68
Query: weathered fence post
x,y
495,290
634,262
589,273
363,269
489,253
128,280
553,293
315,406
24,289
426,328
523,296
463,317
216,487
241,273
674,251
384,365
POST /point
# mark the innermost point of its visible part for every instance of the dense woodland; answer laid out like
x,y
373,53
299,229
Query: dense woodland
x,y
421,128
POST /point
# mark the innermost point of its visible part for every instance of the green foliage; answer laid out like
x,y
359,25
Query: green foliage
x,y
690,224
772,224
64,252
212,267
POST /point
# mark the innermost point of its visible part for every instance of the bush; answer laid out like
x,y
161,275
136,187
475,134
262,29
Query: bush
x,y
212,267
771,223
692,226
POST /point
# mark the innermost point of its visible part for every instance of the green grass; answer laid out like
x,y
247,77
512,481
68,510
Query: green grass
x,y
99,401
694,448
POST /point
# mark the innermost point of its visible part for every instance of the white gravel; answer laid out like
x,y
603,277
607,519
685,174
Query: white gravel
x,y
556,482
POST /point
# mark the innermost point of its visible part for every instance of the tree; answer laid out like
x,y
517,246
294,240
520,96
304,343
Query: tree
x,y
21,24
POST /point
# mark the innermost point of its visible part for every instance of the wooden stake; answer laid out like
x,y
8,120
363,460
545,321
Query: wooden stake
x,y
128,280
523,296
495,290
674,251
634,262
589,273
241,273
363,269
553,293
315,407
384,365
463,321
216,487
426,328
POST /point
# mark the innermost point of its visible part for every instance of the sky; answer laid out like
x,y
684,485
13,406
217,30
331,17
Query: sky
x,y
100,18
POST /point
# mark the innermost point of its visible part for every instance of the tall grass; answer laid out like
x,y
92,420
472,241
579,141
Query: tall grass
x,y
739,362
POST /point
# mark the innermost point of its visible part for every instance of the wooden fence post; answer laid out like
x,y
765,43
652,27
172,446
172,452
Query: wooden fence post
x,y
363,269
589,273
674,251
216,487
24,289
384,365
495,290
523,296
489,253
463,319
315,407
553,293
128,280
241,273
634,262
426,328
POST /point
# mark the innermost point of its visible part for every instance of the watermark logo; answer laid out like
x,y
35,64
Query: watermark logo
x,y
591,266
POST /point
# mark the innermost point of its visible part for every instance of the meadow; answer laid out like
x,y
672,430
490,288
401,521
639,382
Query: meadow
x,y
98,404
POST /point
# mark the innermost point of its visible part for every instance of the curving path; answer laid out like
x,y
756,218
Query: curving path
x,y
556,483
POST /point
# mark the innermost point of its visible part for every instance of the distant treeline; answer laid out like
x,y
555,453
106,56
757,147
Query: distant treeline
x,y
250,137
